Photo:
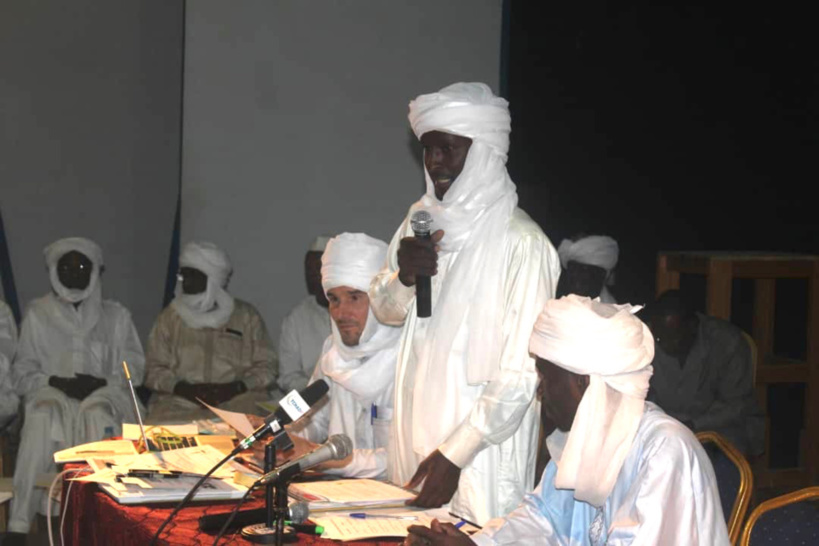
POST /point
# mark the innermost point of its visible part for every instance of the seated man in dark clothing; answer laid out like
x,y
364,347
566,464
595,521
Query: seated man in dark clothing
x,y
703,373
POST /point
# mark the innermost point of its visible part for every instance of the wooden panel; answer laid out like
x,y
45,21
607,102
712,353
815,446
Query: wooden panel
x,y
763,327
812,391
797,269
782,373
718,302
666,279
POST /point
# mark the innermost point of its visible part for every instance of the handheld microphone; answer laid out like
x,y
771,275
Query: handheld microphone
x,y
291,408
420,222
336,448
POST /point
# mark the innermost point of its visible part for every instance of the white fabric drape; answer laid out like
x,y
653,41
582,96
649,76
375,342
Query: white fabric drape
x,y
213,307
614,348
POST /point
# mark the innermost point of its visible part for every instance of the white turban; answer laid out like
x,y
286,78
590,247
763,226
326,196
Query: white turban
x,y
466,109
352,259
60,248
213,307
87,315
615,349
474,215
597,250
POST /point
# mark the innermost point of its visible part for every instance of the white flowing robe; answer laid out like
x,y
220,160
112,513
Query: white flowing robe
x,y
367,424
54,340
491,428
303,333
666,493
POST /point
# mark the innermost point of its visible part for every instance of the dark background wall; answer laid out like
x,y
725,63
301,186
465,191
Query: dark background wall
x,y
669,128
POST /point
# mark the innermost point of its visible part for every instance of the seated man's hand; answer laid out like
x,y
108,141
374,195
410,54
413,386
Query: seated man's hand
x,y
444,534
418,257
223,392
440,477
191,391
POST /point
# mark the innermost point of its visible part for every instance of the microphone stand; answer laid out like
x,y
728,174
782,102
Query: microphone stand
x,y
273,530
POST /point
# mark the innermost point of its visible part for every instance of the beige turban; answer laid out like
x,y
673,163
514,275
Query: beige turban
x,y
213,307
615,349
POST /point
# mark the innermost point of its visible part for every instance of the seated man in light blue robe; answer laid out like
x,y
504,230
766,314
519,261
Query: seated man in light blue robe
x,y
622,471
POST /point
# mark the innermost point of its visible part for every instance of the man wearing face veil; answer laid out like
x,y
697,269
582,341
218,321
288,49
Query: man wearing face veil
x,y
207,344
68,369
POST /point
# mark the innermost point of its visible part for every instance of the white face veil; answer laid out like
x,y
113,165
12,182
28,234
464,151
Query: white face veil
x,y
366,369
615,349
213,307
474,215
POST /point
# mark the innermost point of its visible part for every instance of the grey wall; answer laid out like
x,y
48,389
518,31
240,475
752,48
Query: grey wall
x,y
89,138
295,122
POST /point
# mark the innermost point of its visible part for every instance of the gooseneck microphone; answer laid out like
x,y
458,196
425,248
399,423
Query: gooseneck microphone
x,y
420,222
291,408
336,448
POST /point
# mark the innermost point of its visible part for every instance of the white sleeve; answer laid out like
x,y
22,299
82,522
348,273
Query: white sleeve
x,y
131,352
27,370
540,518
366,463
390,300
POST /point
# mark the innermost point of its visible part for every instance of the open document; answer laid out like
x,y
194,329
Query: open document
x,y
338,494
381,523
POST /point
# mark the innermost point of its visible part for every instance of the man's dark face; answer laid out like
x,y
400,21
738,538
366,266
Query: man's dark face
x,y
74,270
444,158
193,280
581,279
674,334
560,392
312,276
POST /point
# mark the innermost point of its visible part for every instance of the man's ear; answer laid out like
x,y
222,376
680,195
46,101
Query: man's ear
x,y
102,270
582,382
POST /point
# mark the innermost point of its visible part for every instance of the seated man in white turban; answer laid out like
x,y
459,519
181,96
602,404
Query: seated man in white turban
x,y
465,420
358,360
207,344
703,373
622,471
68,369
9,401
306,327
588,266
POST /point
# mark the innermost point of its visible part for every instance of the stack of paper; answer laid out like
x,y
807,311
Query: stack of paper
x,y
348,493
389,524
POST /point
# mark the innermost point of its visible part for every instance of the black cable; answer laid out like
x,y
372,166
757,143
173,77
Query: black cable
x,y
235,511
189,496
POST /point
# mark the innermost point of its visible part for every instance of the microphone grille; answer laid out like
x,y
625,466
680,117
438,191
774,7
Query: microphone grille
x,y
341,444
421,221
299,512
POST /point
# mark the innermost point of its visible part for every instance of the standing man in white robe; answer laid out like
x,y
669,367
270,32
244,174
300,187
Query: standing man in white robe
x,y
465,421
588,266
622,471
207,344
68,369
358,360
306,327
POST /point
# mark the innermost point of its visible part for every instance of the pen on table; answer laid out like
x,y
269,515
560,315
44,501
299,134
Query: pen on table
x,y
305,528
363,515
462,521
460,524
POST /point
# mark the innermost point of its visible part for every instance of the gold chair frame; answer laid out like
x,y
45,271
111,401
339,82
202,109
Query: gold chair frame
x,y
746,481
774,503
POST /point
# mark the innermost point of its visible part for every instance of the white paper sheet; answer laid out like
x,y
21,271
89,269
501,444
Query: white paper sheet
x,y
238,421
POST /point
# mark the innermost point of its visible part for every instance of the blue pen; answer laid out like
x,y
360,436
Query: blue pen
x,y
460,524
373,414
363,515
